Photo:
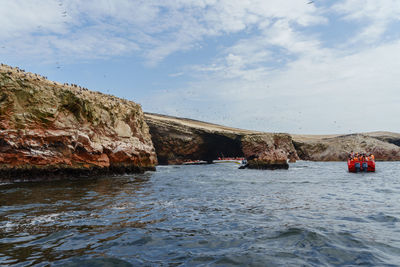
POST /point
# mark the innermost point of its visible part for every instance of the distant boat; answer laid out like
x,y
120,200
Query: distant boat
x,y
195,162
361,166
231,160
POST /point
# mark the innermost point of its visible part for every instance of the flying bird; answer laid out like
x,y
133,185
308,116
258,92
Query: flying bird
x,y
310,2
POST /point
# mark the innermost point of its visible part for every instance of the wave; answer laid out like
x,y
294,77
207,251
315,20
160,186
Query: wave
x,y
383,218
328,248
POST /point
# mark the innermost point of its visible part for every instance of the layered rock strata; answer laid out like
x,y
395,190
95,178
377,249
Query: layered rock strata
x,y
384,145
49,130
179,140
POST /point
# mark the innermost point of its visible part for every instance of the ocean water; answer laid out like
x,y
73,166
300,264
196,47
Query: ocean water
x,y
314,214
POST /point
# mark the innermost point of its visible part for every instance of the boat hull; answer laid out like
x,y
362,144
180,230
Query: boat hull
x,y
196,162
361,166
237,161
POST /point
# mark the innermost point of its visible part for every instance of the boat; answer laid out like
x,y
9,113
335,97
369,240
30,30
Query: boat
x,y
361,166
230,160
195,162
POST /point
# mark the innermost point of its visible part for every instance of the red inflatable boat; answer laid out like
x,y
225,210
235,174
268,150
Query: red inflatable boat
x,y
361,166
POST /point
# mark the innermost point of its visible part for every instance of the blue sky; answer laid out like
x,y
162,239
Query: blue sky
x,y
269,65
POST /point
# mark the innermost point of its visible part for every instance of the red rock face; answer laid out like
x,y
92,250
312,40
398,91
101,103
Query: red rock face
x,y
269,146
268,151
47,129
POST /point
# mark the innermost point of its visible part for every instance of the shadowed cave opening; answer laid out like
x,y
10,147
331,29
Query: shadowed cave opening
x,y
216,146
205,146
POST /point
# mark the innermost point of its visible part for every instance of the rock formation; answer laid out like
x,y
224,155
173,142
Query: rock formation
x,y
268,151
48,129
384,145
177,140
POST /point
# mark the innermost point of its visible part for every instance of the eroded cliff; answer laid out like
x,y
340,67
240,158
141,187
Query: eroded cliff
x,y
48,129
177,140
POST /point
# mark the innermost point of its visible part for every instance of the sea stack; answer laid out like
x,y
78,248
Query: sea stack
x,y
50,130
268,151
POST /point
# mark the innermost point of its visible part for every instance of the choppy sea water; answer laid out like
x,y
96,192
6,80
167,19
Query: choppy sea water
x,y
314,214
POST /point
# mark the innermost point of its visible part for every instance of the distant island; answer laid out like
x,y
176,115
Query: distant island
x,y
50,130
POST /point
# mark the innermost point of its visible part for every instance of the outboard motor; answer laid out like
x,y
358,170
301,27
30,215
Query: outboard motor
x,y
365,166
357,165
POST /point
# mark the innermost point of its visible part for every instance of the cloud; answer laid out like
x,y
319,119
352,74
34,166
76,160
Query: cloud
x,y
153,29
375,15
21,18
177,74
338,92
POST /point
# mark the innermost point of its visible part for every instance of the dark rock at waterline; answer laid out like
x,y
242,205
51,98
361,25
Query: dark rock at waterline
x,y
265,165
34,173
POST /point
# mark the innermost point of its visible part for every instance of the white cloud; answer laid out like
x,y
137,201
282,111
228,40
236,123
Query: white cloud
x,y
376,15
20,18
154,27
335,93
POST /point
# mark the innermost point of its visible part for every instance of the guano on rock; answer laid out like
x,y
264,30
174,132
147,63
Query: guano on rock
x,y
49,130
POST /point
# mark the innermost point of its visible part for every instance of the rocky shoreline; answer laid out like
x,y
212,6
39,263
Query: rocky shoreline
x,y
34,173
50,130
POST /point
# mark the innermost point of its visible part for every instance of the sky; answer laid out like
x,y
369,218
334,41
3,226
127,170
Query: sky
x,y
306,67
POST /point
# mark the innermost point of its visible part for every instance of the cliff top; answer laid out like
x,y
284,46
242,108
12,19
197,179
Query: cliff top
x,y
316,138
21,75
198,124
30,101
296,137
